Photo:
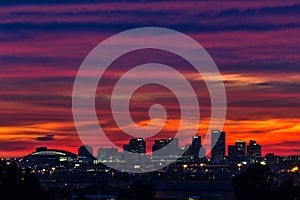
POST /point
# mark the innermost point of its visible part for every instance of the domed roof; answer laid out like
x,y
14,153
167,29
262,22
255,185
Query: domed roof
x,y
54,152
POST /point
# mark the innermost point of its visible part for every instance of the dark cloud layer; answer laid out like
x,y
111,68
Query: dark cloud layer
x,y
45,138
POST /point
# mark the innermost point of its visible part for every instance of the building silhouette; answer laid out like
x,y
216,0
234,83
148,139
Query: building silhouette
x,y
135,146
231,152
85,154
173,146
106,154
238,151
240,148
85,151
254,149
217,150
196,146
159,144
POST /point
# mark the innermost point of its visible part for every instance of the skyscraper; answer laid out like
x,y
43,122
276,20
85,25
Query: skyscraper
x,y
196,145
217,150
254,149
231,152
159,144
173,147
85,154
240,148
85,151
136,146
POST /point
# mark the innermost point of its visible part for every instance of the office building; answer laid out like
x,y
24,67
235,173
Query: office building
x,y
254,149
108,154
196,146
136,146
85,151
158,145
218,145
240,148
231,152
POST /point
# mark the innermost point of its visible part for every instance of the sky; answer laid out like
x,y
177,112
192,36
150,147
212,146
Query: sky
x,y
255,45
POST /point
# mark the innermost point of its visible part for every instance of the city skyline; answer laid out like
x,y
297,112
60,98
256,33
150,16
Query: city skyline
x,y
149,100
248,150
227,146
255,46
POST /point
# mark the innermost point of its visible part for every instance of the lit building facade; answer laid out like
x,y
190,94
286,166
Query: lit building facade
x,y
254,149
50,157
240,148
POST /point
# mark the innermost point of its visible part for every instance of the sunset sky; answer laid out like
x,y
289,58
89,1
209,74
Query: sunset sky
x,y
256,47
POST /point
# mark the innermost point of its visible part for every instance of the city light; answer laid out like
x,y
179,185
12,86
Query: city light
x,y
295,169
239,165
263,163
101,100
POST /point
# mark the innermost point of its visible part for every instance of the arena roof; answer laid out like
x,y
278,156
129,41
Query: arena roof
x,y
53,152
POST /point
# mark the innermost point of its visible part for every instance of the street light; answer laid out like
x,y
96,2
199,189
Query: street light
x,y
239,166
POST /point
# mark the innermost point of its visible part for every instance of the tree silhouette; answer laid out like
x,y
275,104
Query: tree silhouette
x,y
138,190
287,191
254,183
15,185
